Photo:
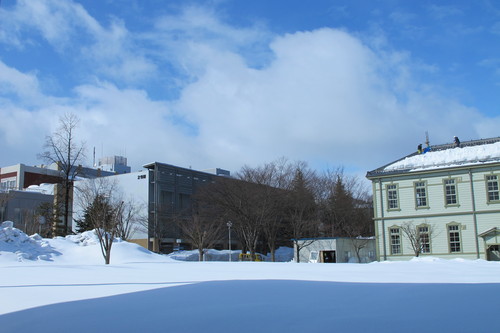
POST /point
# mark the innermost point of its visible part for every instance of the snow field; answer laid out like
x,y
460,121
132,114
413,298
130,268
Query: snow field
x,y
69,289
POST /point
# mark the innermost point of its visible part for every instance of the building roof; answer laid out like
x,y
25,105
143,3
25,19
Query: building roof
x,y
474,152
492,231
211,172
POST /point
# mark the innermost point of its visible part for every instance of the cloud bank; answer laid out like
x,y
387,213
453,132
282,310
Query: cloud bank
x,y
193,90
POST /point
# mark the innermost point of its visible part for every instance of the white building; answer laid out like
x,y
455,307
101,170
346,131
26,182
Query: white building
x,y
116,164
450,196
335,250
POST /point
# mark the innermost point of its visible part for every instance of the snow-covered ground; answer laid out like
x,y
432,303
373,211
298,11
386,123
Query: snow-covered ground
x,y
62,285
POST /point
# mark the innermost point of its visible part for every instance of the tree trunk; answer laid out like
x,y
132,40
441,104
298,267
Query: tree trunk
x,y
297,260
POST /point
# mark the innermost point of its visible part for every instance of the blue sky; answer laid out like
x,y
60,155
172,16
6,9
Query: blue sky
x,y
227,83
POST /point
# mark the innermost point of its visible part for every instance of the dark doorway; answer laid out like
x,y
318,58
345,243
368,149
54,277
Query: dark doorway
x,y
328,256
493,253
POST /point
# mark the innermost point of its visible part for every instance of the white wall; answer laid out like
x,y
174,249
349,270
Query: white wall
x,y
132,186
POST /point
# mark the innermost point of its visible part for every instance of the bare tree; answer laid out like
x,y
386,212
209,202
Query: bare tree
x,y
273,180
48,214
35,223
359,243
104,208
419,236
130,219
241,202
358,225
62,149
260,204
204,226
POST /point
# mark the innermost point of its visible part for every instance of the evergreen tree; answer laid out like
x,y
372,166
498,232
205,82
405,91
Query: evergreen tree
x,y
339,208
98,208
301,211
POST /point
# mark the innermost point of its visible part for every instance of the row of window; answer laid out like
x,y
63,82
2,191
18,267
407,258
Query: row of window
x,y
8,184
424,239
450,192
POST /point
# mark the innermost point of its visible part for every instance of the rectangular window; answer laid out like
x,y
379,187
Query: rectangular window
x,y
420,194
166,202
492,185
392,197
395,240
8,183
454,238
424,237
450,190
184,201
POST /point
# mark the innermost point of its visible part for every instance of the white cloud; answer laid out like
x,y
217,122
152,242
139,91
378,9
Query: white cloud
x,y
196,29
204,24
108,51
22,85
324,96
57,21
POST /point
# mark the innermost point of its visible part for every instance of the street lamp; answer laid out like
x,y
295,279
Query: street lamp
x,y
229,225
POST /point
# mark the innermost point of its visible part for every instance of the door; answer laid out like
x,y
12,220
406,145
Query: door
x,y
328,256
493,252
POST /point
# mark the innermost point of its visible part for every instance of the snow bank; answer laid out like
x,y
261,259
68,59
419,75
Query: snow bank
x,y
80,249
210,255
17,245
282,254
87,238
449,158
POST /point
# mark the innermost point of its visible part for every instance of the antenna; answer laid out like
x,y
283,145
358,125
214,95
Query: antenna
x,y
427,139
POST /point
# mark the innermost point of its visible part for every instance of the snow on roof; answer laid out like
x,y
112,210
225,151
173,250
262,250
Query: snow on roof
x,y
448,158
42,188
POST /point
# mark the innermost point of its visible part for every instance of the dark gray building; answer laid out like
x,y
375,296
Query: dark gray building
x,y
170,189
24,209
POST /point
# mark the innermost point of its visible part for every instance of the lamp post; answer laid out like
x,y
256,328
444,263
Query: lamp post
x,y
229,225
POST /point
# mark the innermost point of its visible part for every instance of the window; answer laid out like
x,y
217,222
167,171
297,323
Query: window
x,y
8,183
166,202
454,237
450,192
392,197
424,238
184,201
420,194
395,240
313,256
492,186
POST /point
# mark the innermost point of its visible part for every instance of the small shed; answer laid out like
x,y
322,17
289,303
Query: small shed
x,y
335,250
